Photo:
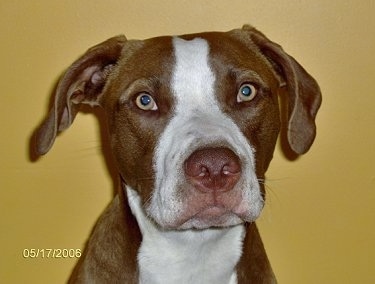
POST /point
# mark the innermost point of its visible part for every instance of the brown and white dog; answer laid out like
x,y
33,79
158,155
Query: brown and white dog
x,y
193,121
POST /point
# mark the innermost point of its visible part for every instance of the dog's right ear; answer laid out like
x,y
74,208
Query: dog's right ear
x,y
82,83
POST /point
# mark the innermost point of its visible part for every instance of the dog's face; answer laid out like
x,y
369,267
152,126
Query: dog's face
x,y
175,96
193,120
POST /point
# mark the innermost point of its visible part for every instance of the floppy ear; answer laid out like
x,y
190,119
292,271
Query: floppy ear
x,y
304,96
82,83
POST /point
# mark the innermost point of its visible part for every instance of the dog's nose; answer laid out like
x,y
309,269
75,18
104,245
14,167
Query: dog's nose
x,y
213,169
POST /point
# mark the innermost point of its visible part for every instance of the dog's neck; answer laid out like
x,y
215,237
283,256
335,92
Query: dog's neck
x,y
188,256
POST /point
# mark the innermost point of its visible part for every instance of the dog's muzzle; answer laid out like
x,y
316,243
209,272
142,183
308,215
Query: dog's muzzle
x,y
205,174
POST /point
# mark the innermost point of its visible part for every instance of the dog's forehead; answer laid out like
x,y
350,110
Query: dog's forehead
x,y
158,55
230,48
195,59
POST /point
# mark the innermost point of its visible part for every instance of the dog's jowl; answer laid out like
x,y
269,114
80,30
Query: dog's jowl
x,y
192,122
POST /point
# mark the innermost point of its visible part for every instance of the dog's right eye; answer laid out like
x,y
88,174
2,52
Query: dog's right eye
x,y
145,101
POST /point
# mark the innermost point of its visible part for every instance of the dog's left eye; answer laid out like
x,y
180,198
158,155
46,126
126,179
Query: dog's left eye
x,y
145,101
246,92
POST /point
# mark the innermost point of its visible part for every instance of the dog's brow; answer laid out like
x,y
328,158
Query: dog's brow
x,y
140,85
242,74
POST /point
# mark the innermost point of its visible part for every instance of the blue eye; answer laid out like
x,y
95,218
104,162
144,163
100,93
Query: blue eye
x,y
247,92
145,101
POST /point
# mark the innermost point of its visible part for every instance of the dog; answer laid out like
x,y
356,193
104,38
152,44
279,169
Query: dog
x,y
192,122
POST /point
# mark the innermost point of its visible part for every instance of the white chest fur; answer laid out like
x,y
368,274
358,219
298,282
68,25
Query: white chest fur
x,y
184,257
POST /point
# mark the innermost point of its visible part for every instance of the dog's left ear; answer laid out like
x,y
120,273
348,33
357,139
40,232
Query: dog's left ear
x,y
82,83
304,96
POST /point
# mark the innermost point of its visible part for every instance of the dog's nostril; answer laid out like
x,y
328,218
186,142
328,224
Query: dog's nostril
x,y
203,171
213,169
226,170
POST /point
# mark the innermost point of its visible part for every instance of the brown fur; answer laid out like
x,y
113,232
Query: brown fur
x,y
110,255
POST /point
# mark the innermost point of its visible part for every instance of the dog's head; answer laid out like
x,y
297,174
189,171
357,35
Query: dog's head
x,y
193,120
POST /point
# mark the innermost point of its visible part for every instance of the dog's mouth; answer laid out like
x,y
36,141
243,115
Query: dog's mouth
x,y
209,210
214,216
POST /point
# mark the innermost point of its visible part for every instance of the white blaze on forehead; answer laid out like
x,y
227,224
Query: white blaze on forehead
x,y
193,80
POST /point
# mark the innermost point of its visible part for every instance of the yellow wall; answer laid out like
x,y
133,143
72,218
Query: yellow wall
x,y
319,223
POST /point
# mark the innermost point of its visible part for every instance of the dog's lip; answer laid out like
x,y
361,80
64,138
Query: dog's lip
x,y
209,216
210,212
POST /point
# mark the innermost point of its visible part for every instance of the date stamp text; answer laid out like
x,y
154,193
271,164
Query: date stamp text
x,y
51,253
